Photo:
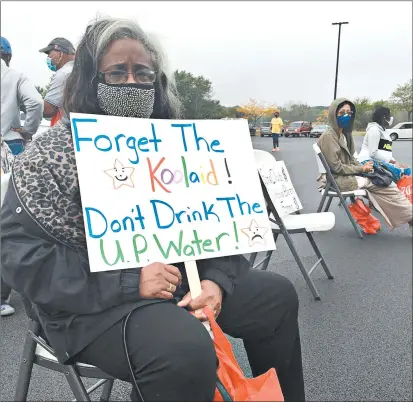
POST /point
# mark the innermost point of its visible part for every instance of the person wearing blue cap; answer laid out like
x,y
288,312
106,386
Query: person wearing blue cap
x,y
16,90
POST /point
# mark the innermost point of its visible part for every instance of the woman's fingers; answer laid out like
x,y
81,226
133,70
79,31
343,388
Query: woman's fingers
x,y
170,278
185,300
174,271
200,315
163,294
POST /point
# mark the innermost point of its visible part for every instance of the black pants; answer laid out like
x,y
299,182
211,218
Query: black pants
x,y
5,292
275,140
173,357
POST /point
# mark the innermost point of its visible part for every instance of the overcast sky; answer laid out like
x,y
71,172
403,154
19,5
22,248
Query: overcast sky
x,y
271,51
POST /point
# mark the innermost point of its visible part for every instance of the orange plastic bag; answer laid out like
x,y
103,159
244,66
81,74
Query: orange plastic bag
x,y
362,214
56,118
405,185
265,387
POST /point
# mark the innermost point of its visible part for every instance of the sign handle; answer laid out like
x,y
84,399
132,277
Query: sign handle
x,y
195,285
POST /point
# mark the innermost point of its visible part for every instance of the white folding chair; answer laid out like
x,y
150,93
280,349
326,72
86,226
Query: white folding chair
x,y
332,190
291,224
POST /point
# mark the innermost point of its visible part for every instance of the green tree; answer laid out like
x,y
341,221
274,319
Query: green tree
x,y
43,91
402,98
364,109
196,96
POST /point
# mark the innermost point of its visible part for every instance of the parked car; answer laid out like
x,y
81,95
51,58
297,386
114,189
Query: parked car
x,y
298,128
318,130
265,129
44,124
401,130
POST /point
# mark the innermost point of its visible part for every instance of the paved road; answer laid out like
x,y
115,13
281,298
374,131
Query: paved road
x,y
357,342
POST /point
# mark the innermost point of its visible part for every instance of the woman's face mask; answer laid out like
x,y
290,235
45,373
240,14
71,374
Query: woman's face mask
x,y
126,100
126,80
344,118
388,121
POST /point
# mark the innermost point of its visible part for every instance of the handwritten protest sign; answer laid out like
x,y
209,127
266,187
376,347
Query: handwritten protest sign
x,y
167,190
280,188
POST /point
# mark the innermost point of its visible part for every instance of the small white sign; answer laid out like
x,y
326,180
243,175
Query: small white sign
x,y
280,188
167,190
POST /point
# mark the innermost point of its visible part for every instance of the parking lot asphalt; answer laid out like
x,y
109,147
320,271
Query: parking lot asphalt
x,y
356,341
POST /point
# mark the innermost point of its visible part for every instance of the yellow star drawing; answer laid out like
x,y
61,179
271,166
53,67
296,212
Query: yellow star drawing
x,y
255,233
122,176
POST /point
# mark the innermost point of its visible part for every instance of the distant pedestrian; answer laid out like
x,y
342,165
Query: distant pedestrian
x,y
276,129
17,91
60,59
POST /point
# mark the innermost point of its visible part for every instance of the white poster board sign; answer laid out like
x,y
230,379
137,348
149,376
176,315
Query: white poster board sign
x,y
280,188
167,190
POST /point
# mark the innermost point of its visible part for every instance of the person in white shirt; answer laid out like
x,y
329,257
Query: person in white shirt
x,y
17,90
377,144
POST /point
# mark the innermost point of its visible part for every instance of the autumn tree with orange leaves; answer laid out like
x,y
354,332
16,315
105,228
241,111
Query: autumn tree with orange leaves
x,y
254,110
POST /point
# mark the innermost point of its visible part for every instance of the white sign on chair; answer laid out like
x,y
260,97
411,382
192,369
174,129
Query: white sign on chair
x,y
276,178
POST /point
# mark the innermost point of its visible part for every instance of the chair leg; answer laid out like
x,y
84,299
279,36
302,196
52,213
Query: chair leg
x,y
267,260
328,204
107,390
76,384
352,220
319,255
252,259
300,264
323,198
269,254
26,365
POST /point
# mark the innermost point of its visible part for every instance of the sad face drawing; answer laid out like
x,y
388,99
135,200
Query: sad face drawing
x,y
121,175
255,233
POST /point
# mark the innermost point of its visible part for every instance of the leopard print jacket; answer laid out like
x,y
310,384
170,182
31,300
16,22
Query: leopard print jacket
x,y
46,182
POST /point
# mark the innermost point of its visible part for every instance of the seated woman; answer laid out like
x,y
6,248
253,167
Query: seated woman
x,y
337,145
377,144
44,254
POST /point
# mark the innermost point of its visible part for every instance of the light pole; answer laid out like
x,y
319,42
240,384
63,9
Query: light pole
x,y
338,53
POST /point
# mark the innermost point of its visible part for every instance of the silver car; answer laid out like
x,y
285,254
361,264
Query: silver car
x,y
265,129
318,130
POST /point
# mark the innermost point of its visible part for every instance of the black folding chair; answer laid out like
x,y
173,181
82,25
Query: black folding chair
x,y
37,350
332,190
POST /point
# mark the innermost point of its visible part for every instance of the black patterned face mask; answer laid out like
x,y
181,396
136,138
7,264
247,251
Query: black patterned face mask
x,y
126,100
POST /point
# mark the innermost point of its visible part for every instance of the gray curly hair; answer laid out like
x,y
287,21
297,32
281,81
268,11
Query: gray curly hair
x,y
80,89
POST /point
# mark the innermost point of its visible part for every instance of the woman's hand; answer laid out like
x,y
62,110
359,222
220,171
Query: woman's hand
x,y
159,281
368,167
401,165
211,296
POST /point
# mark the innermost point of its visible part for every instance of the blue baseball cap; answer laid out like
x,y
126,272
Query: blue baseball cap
x,y
5,46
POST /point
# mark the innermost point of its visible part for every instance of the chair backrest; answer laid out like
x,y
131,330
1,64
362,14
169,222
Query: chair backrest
x,y
275,177
5,178
317,150
323,168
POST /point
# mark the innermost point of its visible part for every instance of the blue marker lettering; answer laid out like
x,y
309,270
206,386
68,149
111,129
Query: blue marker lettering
x,y
77,139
